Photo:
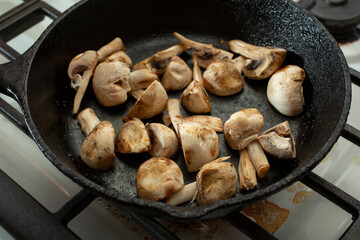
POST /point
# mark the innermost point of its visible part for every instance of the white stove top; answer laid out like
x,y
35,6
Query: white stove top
x,y
310,216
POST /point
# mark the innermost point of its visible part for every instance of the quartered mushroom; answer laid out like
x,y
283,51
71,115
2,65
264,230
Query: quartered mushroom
x,y
119,56
141,79
164,142
200,143
114,46
216,181
158,178
247,172
243,127
80,70
285,90
156,62
195,98
152,102
210,121
258,158
223,78
97,150
111,83
132,137
264,60
278,141
177,74
205,54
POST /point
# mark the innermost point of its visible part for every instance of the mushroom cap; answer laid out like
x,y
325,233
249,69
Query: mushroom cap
x,y
87,120
97,150
265,60
177,74
216,181
119,56
278,141
133,137
195,98
164,142
158,178
206,58
200,144
285,91
222,78
82,62
243,127
111,83
152,102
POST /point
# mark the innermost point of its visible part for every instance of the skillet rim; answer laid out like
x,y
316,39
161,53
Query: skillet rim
x,y
198,212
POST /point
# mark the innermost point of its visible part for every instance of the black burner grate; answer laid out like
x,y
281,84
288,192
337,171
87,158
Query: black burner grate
x,y
36,222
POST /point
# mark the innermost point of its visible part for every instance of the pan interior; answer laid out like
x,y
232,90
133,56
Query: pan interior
x,y
146,28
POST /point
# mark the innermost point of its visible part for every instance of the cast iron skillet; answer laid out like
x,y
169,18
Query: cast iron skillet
x,y
38,81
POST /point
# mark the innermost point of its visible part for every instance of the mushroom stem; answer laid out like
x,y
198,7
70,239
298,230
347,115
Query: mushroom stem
x,y
258,158
110,48
173,106
171,51
210,121
185,194
247,173
87,120
141,78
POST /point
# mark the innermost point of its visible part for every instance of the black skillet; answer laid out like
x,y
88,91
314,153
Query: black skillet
x,y
38,81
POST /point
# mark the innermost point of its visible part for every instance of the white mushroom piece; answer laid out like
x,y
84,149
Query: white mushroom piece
x,y
164,142
97,150
156,62
195,98
210,121
223,78
139,80
258,158
132,137
114,46
150,103
119,56
80,70
285,90
177,74
247,173
279,142
216,181
243,127
200,143
185,194
158,178
204,54
264,60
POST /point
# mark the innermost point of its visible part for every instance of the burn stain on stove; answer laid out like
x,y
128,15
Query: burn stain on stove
x,y
302,196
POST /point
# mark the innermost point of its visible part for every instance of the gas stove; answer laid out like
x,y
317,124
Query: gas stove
x,y
322,206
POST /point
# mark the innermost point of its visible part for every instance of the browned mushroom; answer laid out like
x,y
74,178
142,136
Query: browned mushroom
x,y
210,121
132,137
279,142
164,142
204,54
247,173
119,56
97,150
258,158
243,127
216,181
80,70
177,74
185,194
265,60
158,178
285,91
110,48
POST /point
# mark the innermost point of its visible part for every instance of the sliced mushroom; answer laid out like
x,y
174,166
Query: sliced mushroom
x,y
265,60
205,54
247,173
177,74
119,56
216,181
285,91
137,93
173,107
80,70
133,137
97,150
164,142
152,102
195,98
185,194
166,119
111,83
258,158
243,127
114,46
210,121
156,63
278,141
223,78
158,178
